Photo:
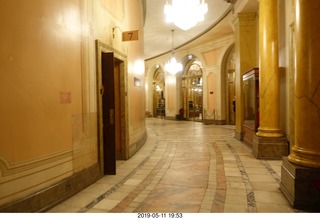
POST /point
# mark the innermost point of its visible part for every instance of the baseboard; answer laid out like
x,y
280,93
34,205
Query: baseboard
x,y
45,199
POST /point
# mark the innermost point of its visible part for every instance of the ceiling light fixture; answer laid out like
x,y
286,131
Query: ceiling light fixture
x,y
185,13
173,66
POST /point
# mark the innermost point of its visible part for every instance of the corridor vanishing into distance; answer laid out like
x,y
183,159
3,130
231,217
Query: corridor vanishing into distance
x,y
186,167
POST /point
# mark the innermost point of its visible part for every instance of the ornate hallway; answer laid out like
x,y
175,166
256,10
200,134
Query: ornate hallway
x,y
186,167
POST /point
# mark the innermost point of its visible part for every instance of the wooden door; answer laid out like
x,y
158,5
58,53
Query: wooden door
x,y
108,113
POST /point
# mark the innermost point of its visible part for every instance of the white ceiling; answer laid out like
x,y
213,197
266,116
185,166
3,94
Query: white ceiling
x,y
158,35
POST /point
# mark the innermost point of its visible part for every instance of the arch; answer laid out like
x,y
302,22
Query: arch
x,y
191,98
158,91
228,85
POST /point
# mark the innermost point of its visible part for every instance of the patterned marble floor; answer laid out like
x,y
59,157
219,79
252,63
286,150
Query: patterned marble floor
x,y
186,167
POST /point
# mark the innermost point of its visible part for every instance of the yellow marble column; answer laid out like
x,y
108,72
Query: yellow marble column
x,y
245,51
306,151
269,70
300,171
269,142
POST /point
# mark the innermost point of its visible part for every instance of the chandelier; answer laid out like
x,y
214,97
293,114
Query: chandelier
x,y
173,66
185,13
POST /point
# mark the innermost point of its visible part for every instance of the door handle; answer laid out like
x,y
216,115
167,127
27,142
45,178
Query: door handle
x,y
102,90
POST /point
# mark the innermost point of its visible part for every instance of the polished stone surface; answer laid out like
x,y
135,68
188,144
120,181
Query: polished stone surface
x,y
270,148
306,150
186,167
269,85
301,185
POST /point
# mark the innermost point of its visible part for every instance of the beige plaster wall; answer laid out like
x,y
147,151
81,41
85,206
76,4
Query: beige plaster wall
x,y
48,88
286,64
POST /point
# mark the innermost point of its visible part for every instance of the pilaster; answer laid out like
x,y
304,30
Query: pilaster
x,y
245,50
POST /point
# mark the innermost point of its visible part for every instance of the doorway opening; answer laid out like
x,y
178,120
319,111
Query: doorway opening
x,y
192,92
231,87
112,108
159,93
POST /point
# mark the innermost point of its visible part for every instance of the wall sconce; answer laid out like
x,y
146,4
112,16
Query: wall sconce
x,y
137,82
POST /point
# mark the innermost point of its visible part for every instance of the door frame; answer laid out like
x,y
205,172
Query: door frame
x,y
103,48
225,81
186,86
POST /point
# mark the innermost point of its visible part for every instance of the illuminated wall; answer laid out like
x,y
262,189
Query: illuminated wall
x,y
48,87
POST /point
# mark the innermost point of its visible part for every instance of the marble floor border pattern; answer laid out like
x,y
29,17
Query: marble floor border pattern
x,y
231,179
138,195
215,191
251,203
220,192
120,183
271,171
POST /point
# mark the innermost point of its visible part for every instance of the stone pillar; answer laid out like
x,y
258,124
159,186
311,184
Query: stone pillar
x,y
300,177
245,51
269,142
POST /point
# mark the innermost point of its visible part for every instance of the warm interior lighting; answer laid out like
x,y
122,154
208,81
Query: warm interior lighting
x,y
158,88
185,13
173,66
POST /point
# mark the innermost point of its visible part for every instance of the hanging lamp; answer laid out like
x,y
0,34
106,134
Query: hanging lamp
x,y
185,14
173,66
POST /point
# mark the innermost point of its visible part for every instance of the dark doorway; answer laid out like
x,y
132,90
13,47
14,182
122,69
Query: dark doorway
x,y
110,70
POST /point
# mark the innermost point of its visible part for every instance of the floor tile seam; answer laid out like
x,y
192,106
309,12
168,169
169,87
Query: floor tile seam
x,y
206,204
140,192
271,171
121,182
155,179
141,188
251,203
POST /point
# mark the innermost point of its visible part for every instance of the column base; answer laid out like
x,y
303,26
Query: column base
x,y
238,135
301,186
270,148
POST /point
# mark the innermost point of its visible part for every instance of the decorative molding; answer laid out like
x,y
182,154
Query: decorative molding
x,y
101,47
117,10
231,1
7,168
229,10
47,198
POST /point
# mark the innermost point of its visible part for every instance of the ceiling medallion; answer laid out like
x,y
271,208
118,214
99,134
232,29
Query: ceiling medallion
x,y
185,14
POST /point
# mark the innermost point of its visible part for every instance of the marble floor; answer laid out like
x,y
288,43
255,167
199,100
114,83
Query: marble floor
x,y
186,167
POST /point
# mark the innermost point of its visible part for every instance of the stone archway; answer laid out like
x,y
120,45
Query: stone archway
x,y
158,92
231,88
